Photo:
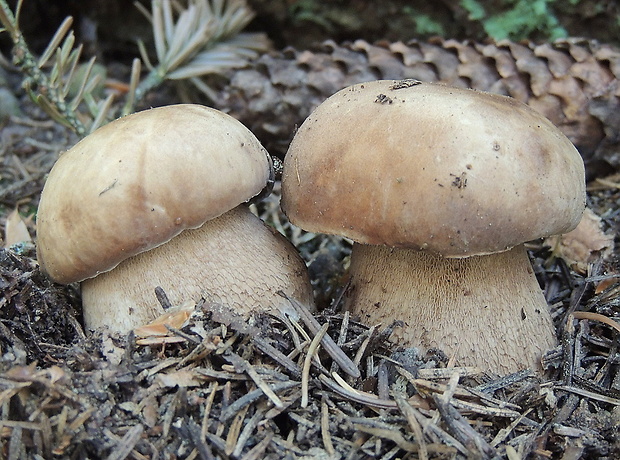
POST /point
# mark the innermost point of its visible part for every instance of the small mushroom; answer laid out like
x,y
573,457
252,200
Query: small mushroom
x,y
439,187
156,199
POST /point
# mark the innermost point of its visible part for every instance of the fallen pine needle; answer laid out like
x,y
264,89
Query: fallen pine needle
x,y
596,317
305,373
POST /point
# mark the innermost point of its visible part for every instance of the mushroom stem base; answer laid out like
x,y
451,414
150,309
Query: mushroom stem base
x,y
234,260
486,311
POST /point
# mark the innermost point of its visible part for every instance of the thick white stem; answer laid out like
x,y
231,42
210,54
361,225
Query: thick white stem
x,y
234,260
487,311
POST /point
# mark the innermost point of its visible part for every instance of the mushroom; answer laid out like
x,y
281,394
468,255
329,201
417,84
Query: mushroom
x,y
439,187
156,199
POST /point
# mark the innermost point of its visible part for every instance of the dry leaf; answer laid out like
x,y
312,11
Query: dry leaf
x,y
584,244
55,374
182,378
606,283
15,230
175,318
597,317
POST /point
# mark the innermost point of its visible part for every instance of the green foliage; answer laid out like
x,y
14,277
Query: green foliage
x,y
475,10
424,24
518,19
327,16
198,38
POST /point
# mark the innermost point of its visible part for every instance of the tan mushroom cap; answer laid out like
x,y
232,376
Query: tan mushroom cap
x,y
426,166
139,181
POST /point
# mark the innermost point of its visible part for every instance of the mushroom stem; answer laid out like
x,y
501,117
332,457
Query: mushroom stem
x,y
487,311
234,260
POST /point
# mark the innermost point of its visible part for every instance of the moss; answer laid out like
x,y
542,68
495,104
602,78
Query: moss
x,y
424,24
517,19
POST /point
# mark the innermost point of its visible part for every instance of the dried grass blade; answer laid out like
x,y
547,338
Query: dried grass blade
x,y
329,345
204,428
429,386
15,444
246,433
241,363
505,381
190,430
362,349
81,419
124,447
484,410
410,414
460,428
250,397
325,433
357,396
446,372
278,356
387,433
305,372
505,432
257,452
234,429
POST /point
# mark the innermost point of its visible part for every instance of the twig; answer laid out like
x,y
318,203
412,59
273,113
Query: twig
x,y
124,447
387,431
250,397
246,367
410,414
328,343
505,432
342,336
257,452
278,356
362,349
192,432
589,394
505,381
458,425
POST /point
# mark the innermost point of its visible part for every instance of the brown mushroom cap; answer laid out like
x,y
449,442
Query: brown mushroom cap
x,y
139,181
426,166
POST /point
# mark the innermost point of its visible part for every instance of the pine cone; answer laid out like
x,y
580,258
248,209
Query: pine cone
x,y
573,82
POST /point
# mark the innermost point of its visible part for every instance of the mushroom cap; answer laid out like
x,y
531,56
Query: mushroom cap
x,y
137,182
426,166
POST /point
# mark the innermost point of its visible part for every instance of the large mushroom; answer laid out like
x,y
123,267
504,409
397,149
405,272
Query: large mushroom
x,y
439,187
156,199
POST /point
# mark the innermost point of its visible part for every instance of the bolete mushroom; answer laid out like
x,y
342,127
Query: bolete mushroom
x,y
439,187
157,199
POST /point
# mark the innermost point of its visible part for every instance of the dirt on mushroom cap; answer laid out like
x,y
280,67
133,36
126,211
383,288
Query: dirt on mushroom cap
x,y
428,166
